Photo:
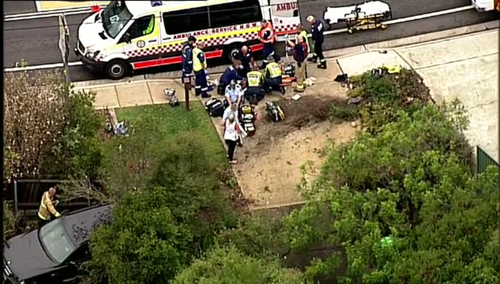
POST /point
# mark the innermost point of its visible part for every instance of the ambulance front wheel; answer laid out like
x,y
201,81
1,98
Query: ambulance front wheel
x,y
231,50
117,69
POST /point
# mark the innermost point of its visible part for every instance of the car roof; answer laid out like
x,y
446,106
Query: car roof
x,y
81,223
139,8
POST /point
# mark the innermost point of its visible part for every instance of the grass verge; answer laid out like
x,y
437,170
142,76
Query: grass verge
x,y
154,131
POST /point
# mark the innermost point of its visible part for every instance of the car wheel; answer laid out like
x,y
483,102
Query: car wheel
x,y
117,69
230,50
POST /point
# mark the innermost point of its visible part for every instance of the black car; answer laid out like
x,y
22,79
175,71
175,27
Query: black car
x,y
52,253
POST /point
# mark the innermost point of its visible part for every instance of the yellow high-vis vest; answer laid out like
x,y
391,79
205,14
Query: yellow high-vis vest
x,y
254,79
197,64
274,70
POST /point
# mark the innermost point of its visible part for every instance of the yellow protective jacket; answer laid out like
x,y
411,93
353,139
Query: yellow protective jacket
x,y
47,207
306,40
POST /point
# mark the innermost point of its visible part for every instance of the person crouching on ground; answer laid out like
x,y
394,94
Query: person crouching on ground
x,y
234,94
47,207
231,73
255,83
231,132
273,78
299,55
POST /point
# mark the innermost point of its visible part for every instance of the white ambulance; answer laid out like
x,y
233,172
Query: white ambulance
x,y
486,5
134,35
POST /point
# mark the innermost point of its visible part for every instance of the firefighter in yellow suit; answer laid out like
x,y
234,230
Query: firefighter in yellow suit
x,y
47,207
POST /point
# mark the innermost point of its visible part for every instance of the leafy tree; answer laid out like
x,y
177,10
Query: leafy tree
x,y
160,228
408,183
228,265
143,244
50,131
34,120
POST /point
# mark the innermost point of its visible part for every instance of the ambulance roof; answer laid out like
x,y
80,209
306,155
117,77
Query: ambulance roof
x,y
139,8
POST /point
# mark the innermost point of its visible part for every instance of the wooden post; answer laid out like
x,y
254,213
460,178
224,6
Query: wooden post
x,y
187,88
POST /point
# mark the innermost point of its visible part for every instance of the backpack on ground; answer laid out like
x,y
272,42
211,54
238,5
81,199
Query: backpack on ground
x,y
275,112
214,107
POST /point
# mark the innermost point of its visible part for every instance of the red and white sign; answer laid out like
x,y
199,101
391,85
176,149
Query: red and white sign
x,y
287,7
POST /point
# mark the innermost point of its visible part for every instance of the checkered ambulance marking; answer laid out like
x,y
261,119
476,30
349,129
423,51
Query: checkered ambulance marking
x,y
212,41
286,29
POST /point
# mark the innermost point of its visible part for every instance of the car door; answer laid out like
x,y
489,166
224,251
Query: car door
x,y
70,269
141,38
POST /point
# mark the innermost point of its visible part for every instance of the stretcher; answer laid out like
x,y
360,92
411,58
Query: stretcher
x,y
366,16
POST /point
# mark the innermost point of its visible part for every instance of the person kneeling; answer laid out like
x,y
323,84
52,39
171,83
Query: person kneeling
x,y
273,79
230,74
255,82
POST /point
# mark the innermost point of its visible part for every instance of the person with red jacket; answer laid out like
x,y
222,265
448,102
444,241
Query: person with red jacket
x,y
267,37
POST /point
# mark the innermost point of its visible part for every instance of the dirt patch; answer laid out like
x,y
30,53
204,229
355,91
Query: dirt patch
x,y
270,162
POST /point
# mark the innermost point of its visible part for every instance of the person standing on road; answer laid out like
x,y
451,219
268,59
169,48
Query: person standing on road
x,y
267,37
231,132
187,57
318,38
300,56
47,207
200,71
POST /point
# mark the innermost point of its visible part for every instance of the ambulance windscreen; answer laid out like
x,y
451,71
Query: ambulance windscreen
x,y
114,18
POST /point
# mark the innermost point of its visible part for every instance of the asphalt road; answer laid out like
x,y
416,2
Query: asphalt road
x,y
18,7
36,41
399,8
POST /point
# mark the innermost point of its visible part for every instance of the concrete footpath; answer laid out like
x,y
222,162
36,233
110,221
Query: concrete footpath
x,y
464,66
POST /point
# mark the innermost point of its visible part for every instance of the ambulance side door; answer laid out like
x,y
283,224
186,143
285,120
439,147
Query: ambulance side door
x,y
284,16
141,38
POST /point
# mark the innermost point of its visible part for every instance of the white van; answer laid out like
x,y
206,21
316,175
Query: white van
x,y
486,5
133,35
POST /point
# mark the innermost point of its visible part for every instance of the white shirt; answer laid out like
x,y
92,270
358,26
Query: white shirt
x,y
232,95
230,131
228,112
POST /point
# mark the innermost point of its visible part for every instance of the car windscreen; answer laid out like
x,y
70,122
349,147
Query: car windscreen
x,y
55,241
115,17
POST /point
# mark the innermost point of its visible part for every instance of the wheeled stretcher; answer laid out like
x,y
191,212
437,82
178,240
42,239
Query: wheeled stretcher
x,y
369,15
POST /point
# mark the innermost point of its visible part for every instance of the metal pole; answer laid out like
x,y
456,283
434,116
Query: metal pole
x,y
16,207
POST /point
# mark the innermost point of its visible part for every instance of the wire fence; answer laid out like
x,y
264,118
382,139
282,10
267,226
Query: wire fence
x,y
26,194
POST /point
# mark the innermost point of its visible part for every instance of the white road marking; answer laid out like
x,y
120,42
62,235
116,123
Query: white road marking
x,y
40,67
397,21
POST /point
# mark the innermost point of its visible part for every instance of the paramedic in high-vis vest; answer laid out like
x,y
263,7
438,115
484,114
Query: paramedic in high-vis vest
x,y
273,78
255,83
200,71
47,207
187,57
267,37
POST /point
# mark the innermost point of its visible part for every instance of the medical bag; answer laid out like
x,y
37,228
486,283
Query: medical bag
x,y
275,112
247,119
214,107
289,70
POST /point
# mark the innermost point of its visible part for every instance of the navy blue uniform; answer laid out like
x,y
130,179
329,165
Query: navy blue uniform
x,y
187,59
245,61
229,74
318,38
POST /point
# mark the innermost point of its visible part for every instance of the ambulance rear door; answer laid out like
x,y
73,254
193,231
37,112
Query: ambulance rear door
x,y
285,17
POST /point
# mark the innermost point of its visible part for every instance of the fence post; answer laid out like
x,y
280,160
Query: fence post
x,y
16,200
